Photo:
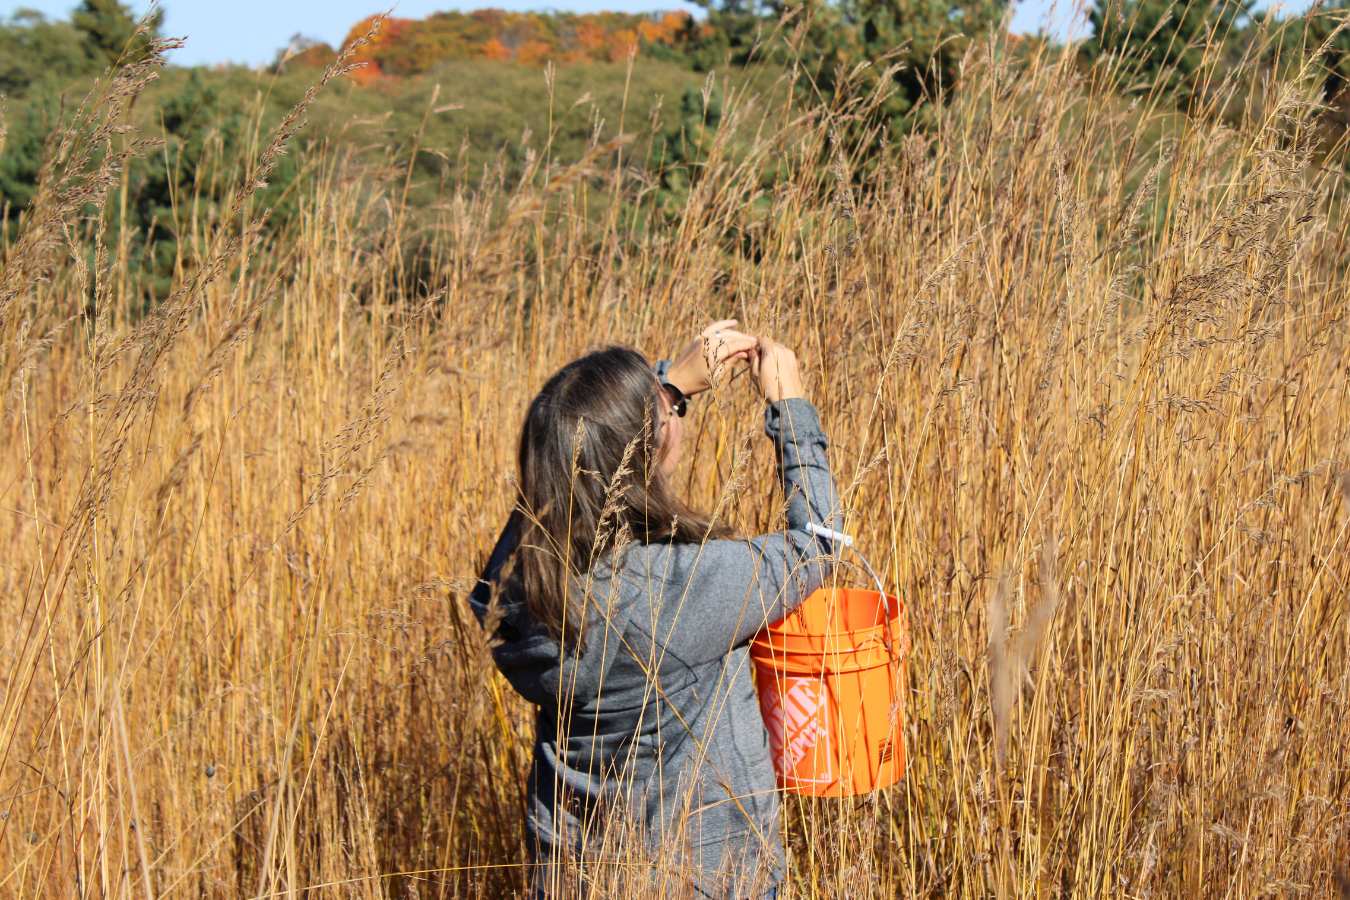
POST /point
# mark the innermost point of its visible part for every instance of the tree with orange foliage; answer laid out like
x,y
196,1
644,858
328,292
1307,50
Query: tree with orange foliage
x,y
665,30
389,34
621,43
405,47
534,51
493,48
591,39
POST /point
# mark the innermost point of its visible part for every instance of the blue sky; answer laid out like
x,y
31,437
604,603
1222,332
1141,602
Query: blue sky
x,y
251,31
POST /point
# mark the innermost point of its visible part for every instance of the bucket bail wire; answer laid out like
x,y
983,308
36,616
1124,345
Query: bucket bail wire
x,y
846,540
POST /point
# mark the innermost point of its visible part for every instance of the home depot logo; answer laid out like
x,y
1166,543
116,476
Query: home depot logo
x,y
797,717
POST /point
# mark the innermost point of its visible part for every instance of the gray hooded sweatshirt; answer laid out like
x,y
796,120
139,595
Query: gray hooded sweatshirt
x,y
657,718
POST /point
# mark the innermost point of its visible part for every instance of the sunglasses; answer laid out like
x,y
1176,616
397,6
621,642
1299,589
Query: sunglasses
x,y
679,403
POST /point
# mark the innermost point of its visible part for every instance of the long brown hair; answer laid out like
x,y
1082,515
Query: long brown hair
x,y
590,481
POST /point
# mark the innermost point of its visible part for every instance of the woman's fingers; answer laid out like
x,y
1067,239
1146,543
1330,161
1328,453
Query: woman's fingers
x,y
720,325
724,347
702,360
779,372
731,343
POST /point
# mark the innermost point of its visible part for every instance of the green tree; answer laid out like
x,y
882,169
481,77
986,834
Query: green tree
x,y
685,147
205,133
859,40
1166,39
933,36
110,29
1304,35
37,51
25,143
735,26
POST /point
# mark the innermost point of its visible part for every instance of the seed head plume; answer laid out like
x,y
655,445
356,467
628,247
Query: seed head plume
x,y
1001,677
1012,657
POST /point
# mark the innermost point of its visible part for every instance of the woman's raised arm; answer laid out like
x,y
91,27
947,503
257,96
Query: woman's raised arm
x,y
720,593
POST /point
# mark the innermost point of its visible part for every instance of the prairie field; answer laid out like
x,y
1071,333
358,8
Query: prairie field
x,y
1082,361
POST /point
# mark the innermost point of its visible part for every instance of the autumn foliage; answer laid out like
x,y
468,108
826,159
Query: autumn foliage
x,y
404,47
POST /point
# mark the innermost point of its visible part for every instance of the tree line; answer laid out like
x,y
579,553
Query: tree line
x,y
907,52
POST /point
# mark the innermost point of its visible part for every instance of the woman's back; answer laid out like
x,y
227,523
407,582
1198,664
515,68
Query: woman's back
x,y
663,729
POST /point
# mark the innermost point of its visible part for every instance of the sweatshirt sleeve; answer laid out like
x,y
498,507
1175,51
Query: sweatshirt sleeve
x,y
720,593
489,582
803,470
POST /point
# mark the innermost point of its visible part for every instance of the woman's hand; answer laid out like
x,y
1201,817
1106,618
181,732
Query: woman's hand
x,y
701,363
776,370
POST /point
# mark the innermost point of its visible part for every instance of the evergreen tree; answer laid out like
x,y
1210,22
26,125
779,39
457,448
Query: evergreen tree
x,y
205,133
684,148
1165,38
37,51
860,39
1304,35
25,144
732,28
110,29
934,35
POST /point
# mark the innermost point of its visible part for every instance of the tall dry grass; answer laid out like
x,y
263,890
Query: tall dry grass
x,y
1083,364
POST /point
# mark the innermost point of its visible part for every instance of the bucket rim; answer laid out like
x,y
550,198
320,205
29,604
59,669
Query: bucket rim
x,y
896,612
896,629
835,659
802,667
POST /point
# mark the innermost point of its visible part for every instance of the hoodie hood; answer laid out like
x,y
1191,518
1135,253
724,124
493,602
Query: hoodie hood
x,y
533,661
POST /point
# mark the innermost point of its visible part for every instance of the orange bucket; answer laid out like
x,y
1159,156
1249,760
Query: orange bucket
x,y
830,679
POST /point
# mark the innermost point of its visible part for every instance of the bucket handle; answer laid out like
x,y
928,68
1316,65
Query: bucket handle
x,y
846,540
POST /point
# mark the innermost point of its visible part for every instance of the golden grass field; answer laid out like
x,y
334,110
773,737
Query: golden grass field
x,y
1083,362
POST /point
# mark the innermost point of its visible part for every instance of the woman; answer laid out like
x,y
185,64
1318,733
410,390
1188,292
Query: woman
x,y
625,616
